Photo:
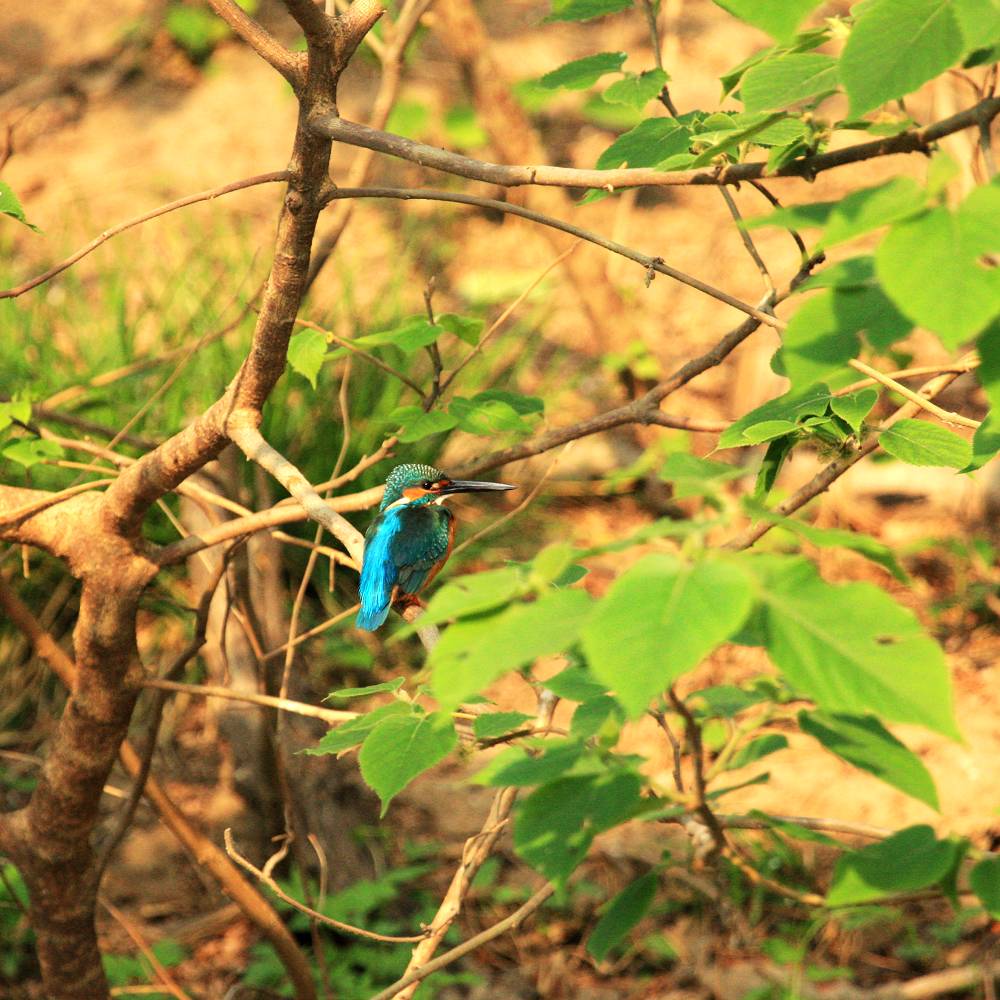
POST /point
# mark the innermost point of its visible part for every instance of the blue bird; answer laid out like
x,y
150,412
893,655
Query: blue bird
x,y
410,539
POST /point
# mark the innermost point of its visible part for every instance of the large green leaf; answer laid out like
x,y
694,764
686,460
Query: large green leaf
x,y
853,649
932,266
979,22
476,651
659,620
556,824
864,742
621,914
493,724
894,47
646,145
779,18
584,10
823,333
789,79
582,73
471,594
909,860
487,416
401,747
919,442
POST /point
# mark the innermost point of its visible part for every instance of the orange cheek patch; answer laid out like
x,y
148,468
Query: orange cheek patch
x,y
414,492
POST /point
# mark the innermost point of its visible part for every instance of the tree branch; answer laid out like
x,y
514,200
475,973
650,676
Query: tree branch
x,y
912,141
261,41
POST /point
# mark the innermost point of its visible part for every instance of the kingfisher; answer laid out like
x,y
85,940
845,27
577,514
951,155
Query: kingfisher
x,y
410,539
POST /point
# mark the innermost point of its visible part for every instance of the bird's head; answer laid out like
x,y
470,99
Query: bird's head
x,y
414,482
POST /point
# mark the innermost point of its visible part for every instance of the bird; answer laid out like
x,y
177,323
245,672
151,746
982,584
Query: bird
x,y
410,539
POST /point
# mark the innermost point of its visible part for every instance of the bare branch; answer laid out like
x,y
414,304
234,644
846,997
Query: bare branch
x,y
191,199
267,47
649,264
308,910
912,141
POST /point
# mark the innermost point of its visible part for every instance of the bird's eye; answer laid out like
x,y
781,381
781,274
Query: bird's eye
x,y
426,484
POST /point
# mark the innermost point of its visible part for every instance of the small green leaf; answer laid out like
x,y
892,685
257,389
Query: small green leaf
x,y
909,860
467,328
864,742
584,10
31,451
660,619
11,205
757,750
557,823
575,684
487,417
416,424
363,692
636,91
493,724
896,46
789,79
590,717
854,407
621,914
918,442
724,701
863,544
402,747
646,145
411,335
984,880
515,769
582,73
476,651
351,733
552,561
790,408
779,18
15,409
306,351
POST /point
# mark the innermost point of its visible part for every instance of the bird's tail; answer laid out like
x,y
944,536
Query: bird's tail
x,y
372,616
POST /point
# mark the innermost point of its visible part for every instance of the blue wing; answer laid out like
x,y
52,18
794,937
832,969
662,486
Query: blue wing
x,y
403,547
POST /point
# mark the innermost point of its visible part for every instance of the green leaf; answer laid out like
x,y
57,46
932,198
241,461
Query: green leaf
x,y
582,73
823,333
575,684
557,823
402,747
590,717
894,47
863,544
14,409
31,451
932,268
467,328
854,407
789,79
870,208
621,914
471,594
636,91
524,405
791,408
584,10
757,750
515,769
486,727
853,649
487,417
415,424
552,561
984,879
351,733
11,205
476,651
646,145
979,22
363,692
693,476
779,18
864,742
724,701
306,351
412,334
985,442
919,442
660,619
909,860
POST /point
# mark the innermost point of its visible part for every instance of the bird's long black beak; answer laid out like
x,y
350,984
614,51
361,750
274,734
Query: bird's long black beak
x,y
473,486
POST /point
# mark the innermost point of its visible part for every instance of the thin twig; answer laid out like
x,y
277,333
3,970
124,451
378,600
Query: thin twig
x,y
309,911
192,199
747,239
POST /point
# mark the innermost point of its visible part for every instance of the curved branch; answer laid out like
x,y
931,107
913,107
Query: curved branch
x,y
191,199
650,264
261,41
912,141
